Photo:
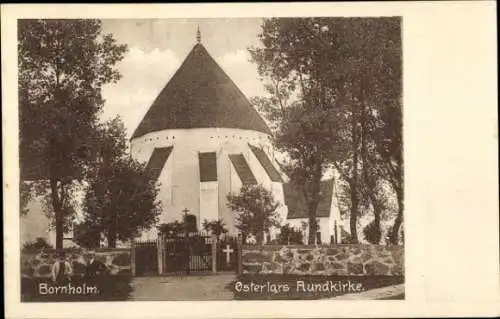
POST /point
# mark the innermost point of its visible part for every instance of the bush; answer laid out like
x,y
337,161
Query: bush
x,y
38,244
372,233
172,229
87,235
290,235
216,227
190,223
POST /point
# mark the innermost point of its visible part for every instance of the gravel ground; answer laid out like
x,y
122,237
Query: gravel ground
x,y
193,287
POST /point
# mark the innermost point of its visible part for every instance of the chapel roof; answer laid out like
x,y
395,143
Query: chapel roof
x,y
200,95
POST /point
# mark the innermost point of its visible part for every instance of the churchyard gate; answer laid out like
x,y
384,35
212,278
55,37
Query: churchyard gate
x,y
193,253
144,257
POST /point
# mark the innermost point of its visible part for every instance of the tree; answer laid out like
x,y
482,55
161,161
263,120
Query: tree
x,y
120,199
38,244
25,196
300,104
172,229
63,65
216,227
343,71
256,209
389,146
129,204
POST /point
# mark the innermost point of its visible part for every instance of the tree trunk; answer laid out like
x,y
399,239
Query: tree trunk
x,y
377,212
112,239
370,181
353,218
313,225
259,237
112,232
394,234
58,213
353,183
312,206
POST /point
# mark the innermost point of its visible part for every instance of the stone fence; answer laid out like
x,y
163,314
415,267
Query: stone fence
x,y
341,260
38,264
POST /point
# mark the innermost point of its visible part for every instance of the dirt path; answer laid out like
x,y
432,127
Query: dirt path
x,y
193,287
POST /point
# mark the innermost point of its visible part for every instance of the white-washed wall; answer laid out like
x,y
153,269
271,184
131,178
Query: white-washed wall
x,y
181,187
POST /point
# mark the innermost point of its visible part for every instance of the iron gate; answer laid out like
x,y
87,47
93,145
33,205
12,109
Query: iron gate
x,y
146,258
186,254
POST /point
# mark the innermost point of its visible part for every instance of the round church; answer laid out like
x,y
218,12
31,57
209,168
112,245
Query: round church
x,y
202,139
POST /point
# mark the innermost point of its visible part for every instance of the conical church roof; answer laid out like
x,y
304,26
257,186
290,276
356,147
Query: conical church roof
x,y
200,95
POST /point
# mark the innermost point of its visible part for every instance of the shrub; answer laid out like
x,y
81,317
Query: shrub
x,y
372,233
172,229
290,235
176,228
190,224
87,235
38,244
255,207
216,227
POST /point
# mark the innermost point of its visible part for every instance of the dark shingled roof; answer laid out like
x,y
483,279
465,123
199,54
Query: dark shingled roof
x,y
266,163
208,167
158,160
242,168
296,203
200,95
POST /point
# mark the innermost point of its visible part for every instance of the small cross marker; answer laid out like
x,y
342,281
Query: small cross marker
x,y
228,252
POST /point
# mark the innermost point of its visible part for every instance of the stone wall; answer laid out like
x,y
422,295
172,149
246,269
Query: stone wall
x,y
341,260
38,264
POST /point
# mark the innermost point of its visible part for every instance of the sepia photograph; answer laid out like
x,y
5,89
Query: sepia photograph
x,y
250,160
211,159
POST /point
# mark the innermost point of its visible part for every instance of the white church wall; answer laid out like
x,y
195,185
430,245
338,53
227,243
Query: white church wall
x,y
324,228
185,181
142,147
258,171
166,191
235,185
335,215
35,224
209,202
224,179
182,188
277,189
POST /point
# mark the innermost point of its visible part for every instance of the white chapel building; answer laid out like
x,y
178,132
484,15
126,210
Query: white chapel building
x,y
203,140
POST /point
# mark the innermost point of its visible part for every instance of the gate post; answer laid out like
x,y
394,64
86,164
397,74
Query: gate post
x,y
214,253
240,255
132,257
159,247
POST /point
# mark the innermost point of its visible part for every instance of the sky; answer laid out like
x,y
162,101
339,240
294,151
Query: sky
x,y
157,47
